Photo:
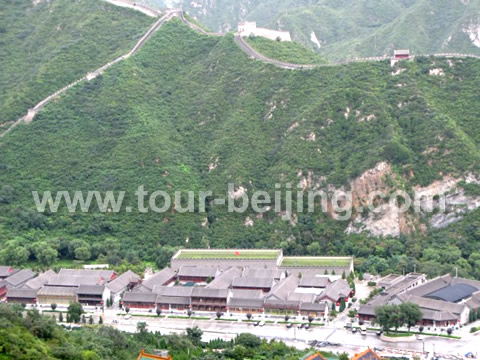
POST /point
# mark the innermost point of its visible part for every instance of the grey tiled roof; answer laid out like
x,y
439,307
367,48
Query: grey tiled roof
x,y
121,282
41,279
367,310
474,301
174,300
22,293
336,290
313,306
75,280
76,277
314,281
431,286
439,315
175,291
283,288
262,273
246,303
474,283
160,278
4,271
197,271
139,297
303,297
105,274
276,304
256,283
90,290
224,280
20,277
430,304
57,291
246,294
209,293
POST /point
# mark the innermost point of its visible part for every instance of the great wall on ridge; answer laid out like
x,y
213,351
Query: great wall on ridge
x,y
166,15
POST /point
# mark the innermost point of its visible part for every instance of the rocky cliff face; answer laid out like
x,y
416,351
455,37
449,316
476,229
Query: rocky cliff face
x,y
437,205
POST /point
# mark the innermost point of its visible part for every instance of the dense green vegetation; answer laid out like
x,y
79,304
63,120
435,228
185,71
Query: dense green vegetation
x,y
350,28
35,336
291,52
191,112
397,316
46,46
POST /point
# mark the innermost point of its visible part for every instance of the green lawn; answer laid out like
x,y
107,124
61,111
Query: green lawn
x,y
228,254
291,52
315,261
396,335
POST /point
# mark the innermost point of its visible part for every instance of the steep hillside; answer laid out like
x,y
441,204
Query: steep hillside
x,y
192,112
349,28
45,45
290,52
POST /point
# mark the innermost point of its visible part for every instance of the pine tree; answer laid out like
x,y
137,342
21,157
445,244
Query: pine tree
x,y
60,317
100,320
90,320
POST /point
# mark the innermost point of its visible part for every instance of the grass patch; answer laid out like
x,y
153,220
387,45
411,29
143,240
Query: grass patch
x,y
291,52
229,254
397,335
192,317
299,323
415,333
315,261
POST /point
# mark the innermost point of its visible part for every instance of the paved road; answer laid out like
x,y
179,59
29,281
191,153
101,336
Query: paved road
x,y
296,337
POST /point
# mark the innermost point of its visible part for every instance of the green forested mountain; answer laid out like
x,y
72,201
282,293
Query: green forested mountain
x,y
340,29
45,45
192,112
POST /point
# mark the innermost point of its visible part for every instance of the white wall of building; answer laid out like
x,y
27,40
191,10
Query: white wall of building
x,y
248,28
106,294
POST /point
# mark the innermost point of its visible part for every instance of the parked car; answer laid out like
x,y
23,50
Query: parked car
x,y
289,325
379,333
261,323
363,329
354,330
307,326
